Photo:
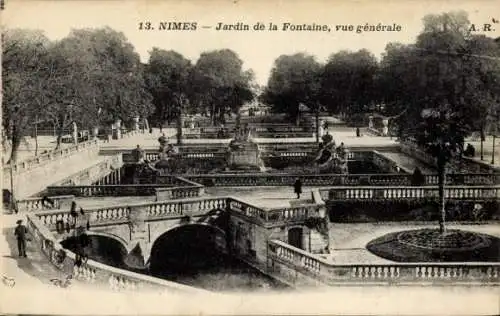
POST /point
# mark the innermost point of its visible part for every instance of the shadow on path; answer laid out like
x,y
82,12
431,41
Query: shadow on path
x,y
35,265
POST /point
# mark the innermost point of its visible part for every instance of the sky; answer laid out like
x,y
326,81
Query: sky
x,y
257,49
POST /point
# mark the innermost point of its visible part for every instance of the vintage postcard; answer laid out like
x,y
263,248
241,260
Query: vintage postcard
x,y
250,157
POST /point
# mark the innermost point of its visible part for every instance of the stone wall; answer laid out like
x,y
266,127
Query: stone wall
x,y
34,180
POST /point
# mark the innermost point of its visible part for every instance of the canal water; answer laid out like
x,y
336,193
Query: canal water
x,y
220,273
191,262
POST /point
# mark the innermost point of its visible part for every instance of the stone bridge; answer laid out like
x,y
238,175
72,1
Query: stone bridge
x,y
231,225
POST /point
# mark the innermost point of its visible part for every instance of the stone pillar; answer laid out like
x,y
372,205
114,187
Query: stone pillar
x,y
95,132
385,129
370,122
136,123
75,133
139,255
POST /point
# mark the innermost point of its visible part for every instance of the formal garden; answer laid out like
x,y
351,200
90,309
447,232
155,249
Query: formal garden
x,y
357,146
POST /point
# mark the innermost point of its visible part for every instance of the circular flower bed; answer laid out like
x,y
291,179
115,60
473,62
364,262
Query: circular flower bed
x,y
429,245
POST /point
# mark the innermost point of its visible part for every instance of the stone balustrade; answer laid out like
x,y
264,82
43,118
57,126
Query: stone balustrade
x,y
117,214
191,207
283,255
37,203
95,172
291,214
53,155
106,190
470,193
94,272
283,179
173,193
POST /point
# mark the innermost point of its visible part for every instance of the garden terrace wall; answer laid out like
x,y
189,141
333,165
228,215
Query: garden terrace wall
x,y
32,178
94,272
411,148
430,193
189,189
93,173
50,156
177,186
112,215
285,179
296,266
36,203
414,211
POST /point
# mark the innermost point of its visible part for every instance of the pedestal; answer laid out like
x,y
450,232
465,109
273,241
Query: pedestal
x,y
370,122
385,129
75,133
136,123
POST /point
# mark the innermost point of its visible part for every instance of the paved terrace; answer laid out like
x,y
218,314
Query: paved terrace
x,y
258,196
348,136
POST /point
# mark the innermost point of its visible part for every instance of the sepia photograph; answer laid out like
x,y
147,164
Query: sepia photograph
x,y
260,157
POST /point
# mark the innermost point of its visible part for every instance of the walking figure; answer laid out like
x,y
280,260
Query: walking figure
x,y
298,187
21,231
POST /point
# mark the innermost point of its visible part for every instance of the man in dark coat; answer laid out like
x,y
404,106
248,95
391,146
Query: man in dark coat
x,y
20,232
298,187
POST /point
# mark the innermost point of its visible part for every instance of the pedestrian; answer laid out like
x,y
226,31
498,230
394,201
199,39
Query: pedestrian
x,y
298,187
20,232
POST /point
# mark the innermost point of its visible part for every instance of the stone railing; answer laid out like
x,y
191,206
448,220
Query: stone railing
x,y
281,179
106,190
95,272
93,173
37,203
313,266
189,189
178,187
46,158
470,193
112,215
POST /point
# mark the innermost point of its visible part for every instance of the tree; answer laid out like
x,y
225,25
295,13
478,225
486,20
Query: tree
x,y
167,78
220,86
101,80
294,80
444,96
25,74
348,82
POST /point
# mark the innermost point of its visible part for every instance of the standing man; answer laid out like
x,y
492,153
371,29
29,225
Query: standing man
x,y
298,187
20,232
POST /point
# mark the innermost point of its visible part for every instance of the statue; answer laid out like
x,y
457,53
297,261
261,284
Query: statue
x,y
138,154
331,158
243,152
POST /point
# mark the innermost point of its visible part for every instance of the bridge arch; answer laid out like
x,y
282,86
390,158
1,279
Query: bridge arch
x,y
187,248
102,247
119,239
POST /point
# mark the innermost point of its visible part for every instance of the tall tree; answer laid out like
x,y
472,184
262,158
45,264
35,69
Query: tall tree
x,y
106,82
446,113
220,85
167,77
348,83
293,81
25,66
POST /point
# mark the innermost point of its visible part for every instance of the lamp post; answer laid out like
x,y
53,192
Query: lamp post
x,y
493,152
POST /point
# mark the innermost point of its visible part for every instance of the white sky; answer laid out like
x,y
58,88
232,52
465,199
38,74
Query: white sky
x,y
258,50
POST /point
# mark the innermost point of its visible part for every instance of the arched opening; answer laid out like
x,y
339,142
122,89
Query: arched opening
x,y
187,251
103,249
295,236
